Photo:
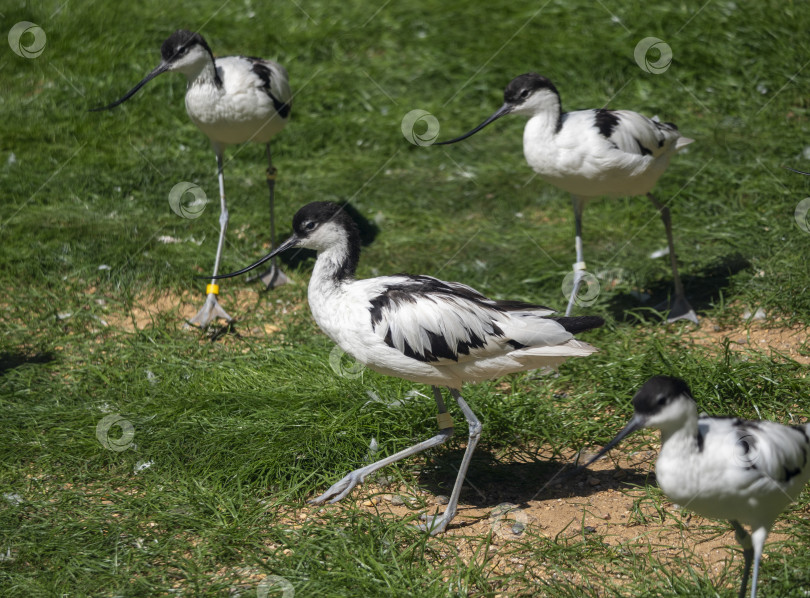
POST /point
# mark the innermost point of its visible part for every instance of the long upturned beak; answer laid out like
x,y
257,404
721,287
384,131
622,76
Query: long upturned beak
x,y
161,68
502,111
636,423
291,242
797,171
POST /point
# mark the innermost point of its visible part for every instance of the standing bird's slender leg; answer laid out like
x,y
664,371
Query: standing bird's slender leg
x,y
680,308
212,309
437,524
758,537
744,538
579,266
273,277
340,489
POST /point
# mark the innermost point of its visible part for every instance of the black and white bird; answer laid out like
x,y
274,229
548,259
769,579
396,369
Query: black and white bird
x,y
232,99
722,467
422,329
593,153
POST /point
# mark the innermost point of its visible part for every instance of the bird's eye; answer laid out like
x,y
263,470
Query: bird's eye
x,y
524,94
310,225
182,50
662,401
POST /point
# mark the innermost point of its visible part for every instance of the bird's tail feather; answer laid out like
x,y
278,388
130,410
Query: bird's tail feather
x,y
682,141
571,348
576,324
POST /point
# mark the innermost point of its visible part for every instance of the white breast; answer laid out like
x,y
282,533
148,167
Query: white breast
x,y
722,482
580,160
237,112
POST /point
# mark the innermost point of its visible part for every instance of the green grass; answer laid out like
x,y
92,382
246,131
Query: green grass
x,y
241,431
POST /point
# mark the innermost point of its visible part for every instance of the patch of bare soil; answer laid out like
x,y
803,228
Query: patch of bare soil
x,y
775,340
610,503
149,309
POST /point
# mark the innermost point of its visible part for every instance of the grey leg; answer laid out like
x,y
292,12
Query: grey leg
x,y
437,524
340,489
744,538
273,277
680,308
579,267
211,308
758,537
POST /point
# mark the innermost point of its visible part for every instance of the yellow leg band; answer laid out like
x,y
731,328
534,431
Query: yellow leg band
x,y
445,421
212,289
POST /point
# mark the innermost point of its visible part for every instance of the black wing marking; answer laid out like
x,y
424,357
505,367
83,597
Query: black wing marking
x,y
606,121
415,287
467,317
634,133
575,324
260,67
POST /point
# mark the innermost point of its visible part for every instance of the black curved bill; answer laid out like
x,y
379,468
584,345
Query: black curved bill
x,y
502,111
291,242
161,68
797,171
635,424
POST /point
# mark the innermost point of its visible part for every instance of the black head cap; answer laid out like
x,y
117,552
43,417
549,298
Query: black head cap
x,y
178,43
657,392
310,218
316,213
522,86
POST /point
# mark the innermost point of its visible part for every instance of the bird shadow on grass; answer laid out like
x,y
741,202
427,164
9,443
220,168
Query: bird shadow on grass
x,y
10,361
368,232
491,481
703,290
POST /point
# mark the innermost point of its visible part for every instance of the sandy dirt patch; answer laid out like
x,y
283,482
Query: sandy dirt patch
x,y
616,503
773,339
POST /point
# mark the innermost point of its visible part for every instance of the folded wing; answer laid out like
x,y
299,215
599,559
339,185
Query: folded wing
x,y
637,134
439,322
